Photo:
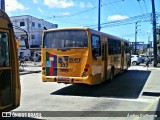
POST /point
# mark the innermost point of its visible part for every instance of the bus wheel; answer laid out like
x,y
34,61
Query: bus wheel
x,y
111,75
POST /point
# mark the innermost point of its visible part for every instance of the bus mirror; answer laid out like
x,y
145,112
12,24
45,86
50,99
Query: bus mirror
x,y
17,44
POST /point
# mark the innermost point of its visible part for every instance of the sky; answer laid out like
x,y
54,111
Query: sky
x,y
118,17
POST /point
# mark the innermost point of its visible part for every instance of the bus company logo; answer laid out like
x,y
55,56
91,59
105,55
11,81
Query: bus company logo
x,y
63,59
6,114
74,60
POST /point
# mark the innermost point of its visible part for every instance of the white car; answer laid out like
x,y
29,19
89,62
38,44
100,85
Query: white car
x,y
135,60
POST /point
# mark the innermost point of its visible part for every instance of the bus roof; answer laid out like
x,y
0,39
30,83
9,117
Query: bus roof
x,y
4,20
88,29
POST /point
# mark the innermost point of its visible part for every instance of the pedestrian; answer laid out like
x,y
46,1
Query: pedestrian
x,y
158,60
147,62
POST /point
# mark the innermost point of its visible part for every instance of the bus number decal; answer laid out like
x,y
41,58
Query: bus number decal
x,y
64,65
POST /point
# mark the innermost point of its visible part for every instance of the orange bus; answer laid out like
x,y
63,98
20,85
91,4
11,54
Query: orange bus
x,y
82,55
9,70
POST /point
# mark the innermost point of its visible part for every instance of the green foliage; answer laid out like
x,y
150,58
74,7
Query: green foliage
x,y
158,38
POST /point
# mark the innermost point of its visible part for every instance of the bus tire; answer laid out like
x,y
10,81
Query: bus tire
x,y
111,75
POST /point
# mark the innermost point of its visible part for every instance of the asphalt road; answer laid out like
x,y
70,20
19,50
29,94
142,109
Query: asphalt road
x,y
136,90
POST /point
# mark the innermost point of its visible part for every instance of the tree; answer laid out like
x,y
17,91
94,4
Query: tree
x,y
158,39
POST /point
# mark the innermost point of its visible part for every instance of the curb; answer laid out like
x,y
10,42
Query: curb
x,y
29,72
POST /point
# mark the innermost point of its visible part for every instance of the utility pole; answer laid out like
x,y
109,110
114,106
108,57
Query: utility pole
x,y
136,30
3,5
99,15
154,34
149,44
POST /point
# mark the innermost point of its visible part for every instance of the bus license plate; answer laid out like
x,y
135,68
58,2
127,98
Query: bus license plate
x,y
63,79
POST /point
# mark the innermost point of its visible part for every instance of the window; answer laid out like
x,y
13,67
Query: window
x,y
39,25
4,50
33,36
114,47
33,24
65,39
103,46
126,47
22,23
96,45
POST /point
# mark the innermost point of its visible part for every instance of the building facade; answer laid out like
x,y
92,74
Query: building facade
x,y
141,48
34,28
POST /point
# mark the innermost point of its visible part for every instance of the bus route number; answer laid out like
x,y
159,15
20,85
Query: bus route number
x,y
64,65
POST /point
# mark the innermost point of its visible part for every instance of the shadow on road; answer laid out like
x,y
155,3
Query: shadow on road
x,y
157,112
127,85
151,94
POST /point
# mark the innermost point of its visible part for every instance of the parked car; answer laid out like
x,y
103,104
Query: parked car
x,y
143,58
26,58
135,60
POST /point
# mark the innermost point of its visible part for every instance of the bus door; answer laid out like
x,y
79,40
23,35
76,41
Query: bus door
x,y
5,71
104,61
97,66
122,58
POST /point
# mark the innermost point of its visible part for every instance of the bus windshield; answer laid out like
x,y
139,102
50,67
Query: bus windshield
x,y
4,50
65,39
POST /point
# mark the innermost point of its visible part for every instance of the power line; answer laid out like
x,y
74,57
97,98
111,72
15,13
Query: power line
x,y
134,18
113,6
120,24
131,19
73,14
140,6
84,11
110,3
145,5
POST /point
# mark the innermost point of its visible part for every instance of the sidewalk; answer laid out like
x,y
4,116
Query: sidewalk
x,y
30,68
143,67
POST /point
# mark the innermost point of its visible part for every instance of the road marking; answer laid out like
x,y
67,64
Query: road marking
x,y
148,107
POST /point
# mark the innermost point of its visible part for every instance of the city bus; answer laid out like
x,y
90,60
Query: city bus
x,y
82,55
9,70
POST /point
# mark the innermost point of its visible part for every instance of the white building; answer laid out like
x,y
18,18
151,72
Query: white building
x,y
34,27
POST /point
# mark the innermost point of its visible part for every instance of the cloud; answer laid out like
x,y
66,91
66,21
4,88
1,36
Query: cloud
x,y
89,5
66,13
40,10
82,5
117,18
59,3
14,5
35,1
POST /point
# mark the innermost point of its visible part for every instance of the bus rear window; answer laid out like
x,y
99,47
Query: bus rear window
x,y
65,39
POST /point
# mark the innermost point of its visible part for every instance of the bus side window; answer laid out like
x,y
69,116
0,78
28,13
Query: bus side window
x,y
96,46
